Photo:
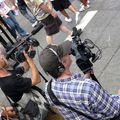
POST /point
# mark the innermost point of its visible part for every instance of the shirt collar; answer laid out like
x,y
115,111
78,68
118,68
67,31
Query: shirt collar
x,y
74,76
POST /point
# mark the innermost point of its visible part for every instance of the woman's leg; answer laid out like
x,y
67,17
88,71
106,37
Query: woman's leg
x,y
65,13
49,39
73,9
84,2
67,18
65,29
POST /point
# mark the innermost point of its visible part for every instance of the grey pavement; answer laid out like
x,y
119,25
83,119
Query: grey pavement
x,y
104,30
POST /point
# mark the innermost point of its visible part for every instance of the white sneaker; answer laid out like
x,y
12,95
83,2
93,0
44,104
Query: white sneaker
x,y
68,19
34,24
77,17
88,1
84,8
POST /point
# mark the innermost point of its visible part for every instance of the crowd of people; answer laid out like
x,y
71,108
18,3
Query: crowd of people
x,y
76,96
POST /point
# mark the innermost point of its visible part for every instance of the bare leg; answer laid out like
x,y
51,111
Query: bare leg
x,y
65,30
49,39
72,8
63,12
84,2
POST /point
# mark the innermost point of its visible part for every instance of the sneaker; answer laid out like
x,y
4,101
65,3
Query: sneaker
x,y
88,1
34,24
68,19
27,34
77,17
84,8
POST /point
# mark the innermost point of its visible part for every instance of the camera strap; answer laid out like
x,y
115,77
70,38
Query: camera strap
x,y
57,102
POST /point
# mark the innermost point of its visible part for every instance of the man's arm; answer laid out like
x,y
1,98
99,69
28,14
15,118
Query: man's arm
x,y
35,74
102,102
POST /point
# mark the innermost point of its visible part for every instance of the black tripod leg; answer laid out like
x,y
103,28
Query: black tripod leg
x,y
6,35
4,43
94,78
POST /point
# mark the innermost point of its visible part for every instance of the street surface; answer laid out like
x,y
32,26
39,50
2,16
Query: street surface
x,y
101,24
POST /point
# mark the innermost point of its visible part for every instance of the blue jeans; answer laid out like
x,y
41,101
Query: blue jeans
x,y
14,25
23,9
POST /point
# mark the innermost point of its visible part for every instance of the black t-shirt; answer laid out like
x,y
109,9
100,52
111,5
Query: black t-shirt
x,y
15,85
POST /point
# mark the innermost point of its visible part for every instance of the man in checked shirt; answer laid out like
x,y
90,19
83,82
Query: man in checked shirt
x,y
79,92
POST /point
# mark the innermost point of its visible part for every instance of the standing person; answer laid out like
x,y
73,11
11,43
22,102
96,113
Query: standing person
x,y
79,92
24,11
10,20
59,5
43,12
84,5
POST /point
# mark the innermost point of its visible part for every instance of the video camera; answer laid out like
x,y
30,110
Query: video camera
x,y
15,51
82,50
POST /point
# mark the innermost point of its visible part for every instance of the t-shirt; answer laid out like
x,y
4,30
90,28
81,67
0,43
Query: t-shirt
x,y
4,7
35,9
15,85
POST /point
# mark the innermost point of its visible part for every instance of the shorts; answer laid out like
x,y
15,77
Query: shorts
x,y
60,5
51,25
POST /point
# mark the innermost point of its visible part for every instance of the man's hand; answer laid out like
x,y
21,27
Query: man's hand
x,y
9,111
35,74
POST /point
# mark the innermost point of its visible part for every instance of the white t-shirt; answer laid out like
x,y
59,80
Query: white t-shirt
x,y
4,7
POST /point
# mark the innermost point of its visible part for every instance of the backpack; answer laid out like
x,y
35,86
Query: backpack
x,y
32,106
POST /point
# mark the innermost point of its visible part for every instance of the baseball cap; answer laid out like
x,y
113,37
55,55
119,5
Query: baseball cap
x,y
49,59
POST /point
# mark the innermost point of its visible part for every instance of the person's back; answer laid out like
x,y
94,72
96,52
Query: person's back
x,y
83,95
79,98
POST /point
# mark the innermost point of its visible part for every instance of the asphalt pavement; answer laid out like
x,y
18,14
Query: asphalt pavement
x,y
103,29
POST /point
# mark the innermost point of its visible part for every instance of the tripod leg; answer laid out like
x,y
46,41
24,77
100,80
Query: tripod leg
x,y
4,43
4,32
94,78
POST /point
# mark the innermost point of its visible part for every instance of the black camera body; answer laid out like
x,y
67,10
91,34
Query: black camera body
x,y
82,50
15,52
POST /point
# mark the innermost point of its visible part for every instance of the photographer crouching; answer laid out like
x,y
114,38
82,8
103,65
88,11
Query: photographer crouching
x,y
76,97
11,81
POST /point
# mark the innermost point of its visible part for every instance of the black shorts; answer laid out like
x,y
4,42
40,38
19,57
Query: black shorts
x,y
60,5
51,25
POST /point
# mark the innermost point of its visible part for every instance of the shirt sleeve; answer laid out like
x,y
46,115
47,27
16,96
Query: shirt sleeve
x,y
103,103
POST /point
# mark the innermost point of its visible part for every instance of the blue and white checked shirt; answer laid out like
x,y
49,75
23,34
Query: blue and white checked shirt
x,y
84,95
